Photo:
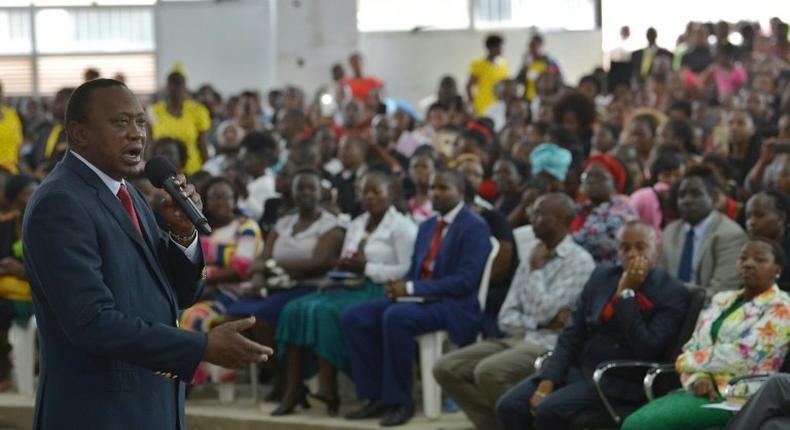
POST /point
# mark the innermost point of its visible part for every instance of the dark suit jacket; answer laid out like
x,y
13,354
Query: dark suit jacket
x,y
106,303
629,335
636,62
456,272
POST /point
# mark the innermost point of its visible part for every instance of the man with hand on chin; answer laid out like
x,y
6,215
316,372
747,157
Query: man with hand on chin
x,y
626,312
107,283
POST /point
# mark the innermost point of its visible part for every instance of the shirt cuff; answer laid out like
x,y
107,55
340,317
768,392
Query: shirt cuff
x,y
189,251
410,288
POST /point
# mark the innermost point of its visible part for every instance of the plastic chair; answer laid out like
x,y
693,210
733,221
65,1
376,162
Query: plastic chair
x,y
23,350
431,346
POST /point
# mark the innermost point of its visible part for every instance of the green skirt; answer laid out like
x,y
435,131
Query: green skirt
x,y
680,410
313,322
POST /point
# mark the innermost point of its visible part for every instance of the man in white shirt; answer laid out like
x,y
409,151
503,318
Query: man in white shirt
x,y
550,277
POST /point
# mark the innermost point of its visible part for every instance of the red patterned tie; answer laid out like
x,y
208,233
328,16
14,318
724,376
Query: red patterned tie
x,y
126,201
433,251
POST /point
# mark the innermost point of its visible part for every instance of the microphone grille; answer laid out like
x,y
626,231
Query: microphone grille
x,y
158,169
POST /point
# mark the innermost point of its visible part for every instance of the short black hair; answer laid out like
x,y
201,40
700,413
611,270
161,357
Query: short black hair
x,y
16,184
682,130
494,41
258,143
779,254
181,147
706,175
579,105
215,181
438,106
77,106
457,177
307,171
665,162
591,79
176,78
683,106
780,199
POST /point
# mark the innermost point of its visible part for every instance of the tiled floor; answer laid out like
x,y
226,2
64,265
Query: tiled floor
x,y
209,414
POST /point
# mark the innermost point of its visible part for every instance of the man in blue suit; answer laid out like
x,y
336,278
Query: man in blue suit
x,y
107,283
448,261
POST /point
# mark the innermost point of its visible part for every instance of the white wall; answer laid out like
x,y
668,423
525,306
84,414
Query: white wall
x,y
311,36
411,64
228,44
260,44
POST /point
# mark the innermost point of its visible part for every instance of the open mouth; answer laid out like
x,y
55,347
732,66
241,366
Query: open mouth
x,y
133,155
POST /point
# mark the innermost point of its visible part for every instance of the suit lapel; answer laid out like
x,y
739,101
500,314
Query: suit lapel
x,y
705,246
604,296
114,207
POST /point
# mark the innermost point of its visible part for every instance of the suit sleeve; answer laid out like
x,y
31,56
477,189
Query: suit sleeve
x,y
571,337
71,285
465,278
649,337
725,272
184,275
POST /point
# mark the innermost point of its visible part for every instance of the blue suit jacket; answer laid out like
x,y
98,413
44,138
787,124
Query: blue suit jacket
x,y
629,335
456,272
106,303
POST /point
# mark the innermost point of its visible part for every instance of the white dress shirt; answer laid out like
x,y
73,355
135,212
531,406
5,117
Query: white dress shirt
x,y
536,296
448,218
389,247
115,186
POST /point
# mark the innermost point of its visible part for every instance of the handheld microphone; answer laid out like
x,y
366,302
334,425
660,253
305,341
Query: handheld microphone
x,y
162,174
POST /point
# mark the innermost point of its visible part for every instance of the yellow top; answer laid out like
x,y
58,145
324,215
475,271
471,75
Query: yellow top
x,y
12,288
10,135
487,74
533,72
194,120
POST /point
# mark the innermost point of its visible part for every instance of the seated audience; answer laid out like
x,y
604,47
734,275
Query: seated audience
x,y
302,247
228,252
259,152
701,247
15,300
742,332
446,267
625,312
653,204
421,169
377,249
602,212
768,409
766,216
551,274
506,260
352,152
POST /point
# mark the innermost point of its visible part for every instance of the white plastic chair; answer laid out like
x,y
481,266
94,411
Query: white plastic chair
x,y
23,352
431,346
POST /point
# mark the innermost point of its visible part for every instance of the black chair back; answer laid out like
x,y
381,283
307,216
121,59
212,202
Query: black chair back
x,y
696,303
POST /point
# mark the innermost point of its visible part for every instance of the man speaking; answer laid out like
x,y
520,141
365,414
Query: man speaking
x,y
107,283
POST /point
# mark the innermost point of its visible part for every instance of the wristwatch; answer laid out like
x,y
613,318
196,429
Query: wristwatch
x,y
627,293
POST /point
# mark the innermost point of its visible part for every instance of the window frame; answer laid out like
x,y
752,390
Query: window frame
x,y
34,55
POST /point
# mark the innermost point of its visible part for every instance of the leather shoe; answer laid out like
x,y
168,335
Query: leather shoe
x,y
397,416
372,409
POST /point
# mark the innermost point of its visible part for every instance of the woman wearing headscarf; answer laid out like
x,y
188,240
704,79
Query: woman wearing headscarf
x,y
601,211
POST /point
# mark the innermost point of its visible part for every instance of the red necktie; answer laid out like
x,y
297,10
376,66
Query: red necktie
x,y
436,244
126,201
